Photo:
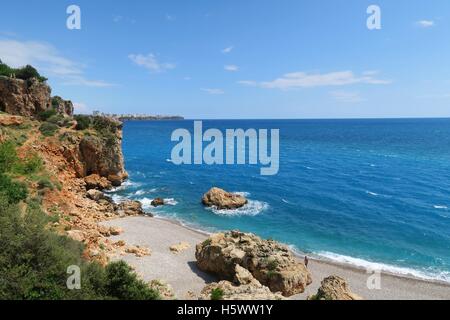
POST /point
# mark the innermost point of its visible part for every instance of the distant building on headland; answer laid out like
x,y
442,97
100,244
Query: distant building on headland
x,y
124,117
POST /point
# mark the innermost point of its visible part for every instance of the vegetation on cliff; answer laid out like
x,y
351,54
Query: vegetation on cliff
x,y
34,258
24,73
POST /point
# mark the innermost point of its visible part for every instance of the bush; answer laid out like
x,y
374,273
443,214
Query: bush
x,y
45,115
12,192
24,73
122,283
216,294
83,122
34,261
48,129
8,156
28,166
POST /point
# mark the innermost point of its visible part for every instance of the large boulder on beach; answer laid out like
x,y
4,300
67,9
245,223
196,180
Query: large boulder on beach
x,y
334,288
269,262
222,199
94,181
243,287
131,208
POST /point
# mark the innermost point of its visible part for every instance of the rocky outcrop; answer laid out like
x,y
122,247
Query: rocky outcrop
x,y
271,263
95,182
63,107
130,208
157,202
244,287
222,199
30,97
8,120
24,97
102,154
334,288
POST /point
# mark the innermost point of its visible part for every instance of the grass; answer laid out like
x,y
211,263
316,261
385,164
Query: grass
x,y
217,294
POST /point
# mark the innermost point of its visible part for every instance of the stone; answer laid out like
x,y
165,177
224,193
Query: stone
x,y
179,247
269,262
9,120
157,202
334,288
131,208
94,181
165,290
115,231
222,199
76,235
95,194
245,287
138,251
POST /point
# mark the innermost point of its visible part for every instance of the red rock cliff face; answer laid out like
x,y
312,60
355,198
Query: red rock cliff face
x,y
30,97
99,153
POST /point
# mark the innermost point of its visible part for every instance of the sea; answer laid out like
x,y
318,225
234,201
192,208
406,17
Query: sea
x,y
371,193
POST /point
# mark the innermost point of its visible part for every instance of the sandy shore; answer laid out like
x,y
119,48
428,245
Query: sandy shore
x,y
181,272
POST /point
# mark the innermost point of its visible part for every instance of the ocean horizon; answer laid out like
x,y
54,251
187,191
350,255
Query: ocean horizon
x,y
374,193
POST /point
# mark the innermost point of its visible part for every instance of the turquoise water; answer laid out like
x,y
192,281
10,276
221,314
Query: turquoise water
x,y
375,193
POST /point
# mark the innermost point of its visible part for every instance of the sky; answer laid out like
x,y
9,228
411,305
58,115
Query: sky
x,y
232,59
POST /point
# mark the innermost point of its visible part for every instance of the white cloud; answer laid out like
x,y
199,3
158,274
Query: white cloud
x,y
227,49
170,17
425,23
231,68
345,96
149,62
213,91
304,80
81,108
47,60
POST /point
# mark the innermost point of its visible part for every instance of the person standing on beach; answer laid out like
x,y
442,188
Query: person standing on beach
x,y
306,261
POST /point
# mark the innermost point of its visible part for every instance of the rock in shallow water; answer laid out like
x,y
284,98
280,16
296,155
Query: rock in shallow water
x,y
271,263
222,199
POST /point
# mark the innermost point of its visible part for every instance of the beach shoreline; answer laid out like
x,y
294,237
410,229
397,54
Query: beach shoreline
x,y
180,271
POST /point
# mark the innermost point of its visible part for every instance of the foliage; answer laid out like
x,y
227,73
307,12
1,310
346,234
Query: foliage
x,y
8,156
45,115
24,73
217,294
83,122
12,191
48,129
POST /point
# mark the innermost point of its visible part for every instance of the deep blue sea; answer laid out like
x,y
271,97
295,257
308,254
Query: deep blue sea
x,y
374,193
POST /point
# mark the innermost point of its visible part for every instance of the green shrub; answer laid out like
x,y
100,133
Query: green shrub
x,y
45,183
8,156
24,73
122,283
48,129
216,294
34,262
13,192
83,122
28,166
45,115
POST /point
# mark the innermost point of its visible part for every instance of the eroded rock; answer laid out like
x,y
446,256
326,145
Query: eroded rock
x,y
244,287
271,263
222,199
334,288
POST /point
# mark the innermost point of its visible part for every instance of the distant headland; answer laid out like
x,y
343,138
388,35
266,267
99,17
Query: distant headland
x,y
131,117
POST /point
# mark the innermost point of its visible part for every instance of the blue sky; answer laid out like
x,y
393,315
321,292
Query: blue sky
x,y
238,58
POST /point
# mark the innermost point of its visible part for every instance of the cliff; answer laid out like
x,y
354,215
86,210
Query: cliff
x,y
29,98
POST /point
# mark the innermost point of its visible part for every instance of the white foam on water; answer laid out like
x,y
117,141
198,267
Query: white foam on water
x,y
252,208
440,207
286,201
376,266
242,193
170,201
372,193
147,202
